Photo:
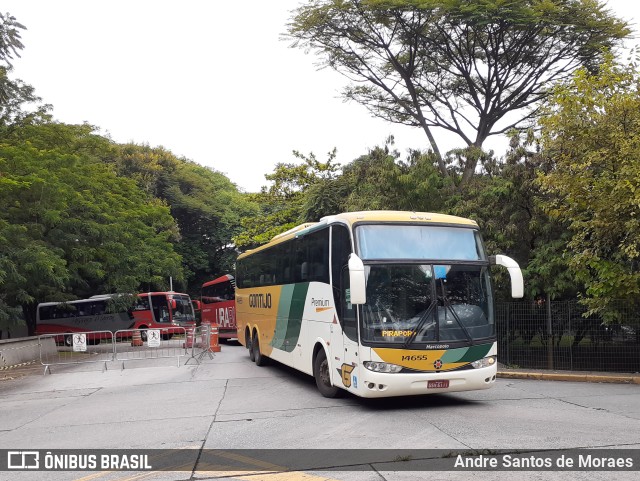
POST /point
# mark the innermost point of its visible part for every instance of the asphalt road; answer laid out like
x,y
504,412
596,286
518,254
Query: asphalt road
x,y
230,403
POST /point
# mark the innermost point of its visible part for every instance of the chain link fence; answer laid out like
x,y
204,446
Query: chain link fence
x,y
557,335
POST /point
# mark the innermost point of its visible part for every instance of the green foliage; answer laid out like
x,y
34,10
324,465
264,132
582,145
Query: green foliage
x,y
591,135
69,227
460,65
103,221
378,180
308,191
14,93
372,181
205,204
297,193
507,203
10,38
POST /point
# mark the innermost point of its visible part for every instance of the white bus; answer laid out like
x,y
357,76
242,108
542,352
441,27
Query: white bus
x,y
376,303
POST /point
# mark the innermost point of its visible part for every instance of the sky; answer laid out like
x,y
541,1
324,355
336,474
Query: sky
x,y
209,80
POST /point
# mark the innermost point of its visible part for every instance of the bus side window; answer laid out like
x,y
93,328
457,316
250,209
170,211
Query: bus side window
x,y
142,303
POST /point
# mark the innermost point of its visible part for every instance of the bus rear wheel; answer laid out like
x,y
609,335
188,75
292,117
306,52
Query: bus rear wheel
x,y
259,358
249,345
323,376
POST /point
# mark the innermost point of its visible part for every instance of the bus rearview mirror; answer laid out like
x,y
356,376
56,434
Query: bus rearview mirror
x,y
517,282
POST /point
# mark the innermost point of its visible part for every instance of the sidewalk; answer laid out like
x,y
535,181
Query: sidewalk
x,y
573,376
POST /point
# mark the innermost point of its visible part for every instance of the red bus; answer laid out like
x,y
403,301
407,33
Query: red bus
x,y
218,305
168,311
163,310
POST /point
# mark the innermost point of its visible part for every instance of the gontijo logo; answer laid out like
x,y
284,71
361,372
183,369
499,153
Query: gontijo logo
x,y
260,301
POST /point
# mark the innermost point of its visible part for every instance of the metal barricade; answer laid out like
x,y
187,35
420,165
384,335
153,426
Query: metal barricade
x,y
201,343
141,344
124,345
76,348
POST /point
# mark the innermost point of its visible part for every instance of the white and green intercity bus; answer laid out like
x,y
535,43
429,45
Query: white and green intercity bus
x,y
377,303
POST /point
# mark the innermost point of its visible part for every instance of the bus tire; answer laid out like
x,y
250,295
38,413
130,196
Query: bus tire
x,y
143,334
68,341
261,360
252,355
323,376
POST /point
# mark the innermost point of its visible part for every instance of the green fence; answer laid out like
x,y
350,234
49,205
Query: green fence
x,y
557,335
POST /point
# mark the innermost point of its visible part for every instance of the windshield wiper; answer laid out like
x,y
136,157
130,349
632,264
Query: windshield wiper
x,y
420,324
449,306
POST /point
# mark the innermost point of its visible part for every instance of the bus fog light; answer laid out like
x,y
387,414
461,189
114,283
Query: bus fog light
x,y
485,362
382,367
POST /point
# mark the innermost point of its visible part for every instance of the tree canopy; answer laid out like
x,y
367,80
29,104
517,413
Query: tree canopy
x,y
285,204
591,138
70,227
14,93
458,65
81,214
206,205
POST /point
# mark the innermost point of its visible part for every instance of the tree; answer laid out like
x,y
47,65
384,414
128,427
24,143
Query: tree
x,y
284,204
378,180
591,136
70,227
508,204
10,38
14,93
205,204
460,65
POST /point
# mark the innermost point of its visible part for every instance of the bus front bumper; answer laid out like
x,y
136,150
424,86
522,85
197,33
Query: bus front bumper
x,y
375,384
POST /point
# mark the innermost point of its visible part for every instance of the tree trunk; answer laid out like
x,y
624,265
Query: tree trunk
x,y
29,313
434,146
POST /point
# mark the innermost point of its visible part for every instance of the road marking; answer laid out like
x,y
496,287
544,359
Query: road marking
x,y
280,473
262,476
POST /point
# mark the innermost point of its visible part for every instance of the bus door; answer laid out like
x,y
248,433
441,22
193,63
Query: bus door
x,y
160,308
343,355
344,340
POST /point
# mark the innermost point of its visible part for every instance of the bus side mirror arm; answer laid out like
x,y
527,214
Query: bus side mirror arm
x,y
517,282
356,280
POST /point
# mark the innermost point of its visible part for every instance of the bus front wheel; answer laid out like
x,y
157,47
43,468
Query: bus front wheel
x,y
323,376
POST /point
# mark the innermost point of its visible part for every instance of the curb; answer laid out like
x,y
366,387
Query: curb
x,y
555,376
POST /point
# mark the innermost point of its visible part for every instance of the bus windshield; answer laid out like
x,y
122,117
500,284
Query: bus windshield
x,y
393,241
409,304
183,311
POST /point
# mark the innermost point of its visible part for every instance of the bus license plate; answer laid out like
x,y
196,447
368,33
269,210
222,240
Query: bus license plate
x,y
438,384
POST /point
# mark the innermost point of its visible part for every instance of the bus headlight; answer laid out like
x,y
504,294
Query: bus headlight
x,y
484,362
381,366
